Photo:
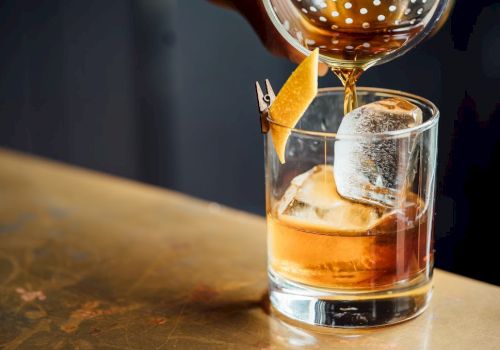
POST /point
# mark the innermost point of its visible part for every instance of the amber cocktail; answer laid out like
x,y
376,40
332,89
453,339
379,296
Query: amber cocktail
x,y
351,262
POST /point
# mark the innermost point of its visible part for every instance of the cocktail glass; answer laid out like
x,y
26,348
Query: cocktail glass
x,y
337,262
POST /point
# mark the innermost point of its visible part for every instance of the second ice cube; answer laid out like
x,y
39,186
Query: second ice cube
x,y
376,168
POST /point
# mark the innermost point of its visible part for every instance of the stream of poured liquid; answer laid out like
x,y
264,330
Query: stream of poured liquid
x,y
348,77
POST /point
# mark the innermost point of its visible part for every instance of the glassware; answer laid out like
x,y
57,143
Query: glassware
x,y
335,262
353,35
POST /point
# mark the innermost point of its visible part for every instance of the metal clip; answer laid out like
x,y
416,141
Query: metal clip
x,y
264,102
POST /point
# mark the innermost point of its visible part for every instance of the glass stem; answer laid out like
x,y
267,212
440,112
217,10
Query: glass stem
x,y
348,77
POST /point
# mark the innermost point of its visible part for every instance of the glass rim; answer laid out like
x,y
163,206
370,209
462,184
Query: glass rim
x,y
432,121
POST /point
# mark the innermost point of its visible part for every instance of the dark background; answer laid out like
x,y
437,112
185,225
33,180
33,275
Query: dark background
x,y
162,91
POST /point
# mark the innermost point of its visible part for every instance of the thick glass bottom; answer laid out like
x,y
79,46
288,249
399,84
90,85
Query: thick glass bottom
x,y
348,309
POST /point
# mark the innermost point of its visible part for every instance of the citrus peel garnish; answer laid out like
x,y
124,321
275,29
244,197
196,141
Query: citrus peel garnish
x,y
292,101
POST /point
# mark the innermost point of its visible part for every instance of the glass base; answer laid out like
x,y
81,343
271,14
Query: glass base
x,y
348,309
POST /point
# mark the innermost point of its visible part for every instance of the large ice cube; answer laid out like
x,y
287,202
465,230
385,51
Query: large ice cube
x,y
373,169
312,201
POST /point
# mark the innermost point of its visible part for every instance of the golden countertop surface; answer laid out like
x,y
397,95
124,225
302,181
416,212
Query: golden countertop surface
x,y
91,261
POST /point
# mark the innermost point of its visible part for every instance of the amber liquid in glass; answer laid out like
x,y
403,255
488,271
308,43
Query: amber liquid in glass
x,y
319,239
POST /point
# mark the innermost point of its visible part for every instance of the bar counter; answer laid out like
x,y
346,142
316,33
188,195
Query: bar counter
x,y
91,261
